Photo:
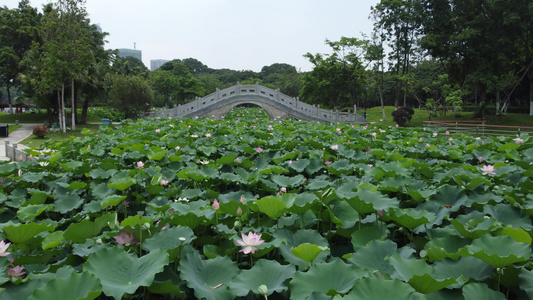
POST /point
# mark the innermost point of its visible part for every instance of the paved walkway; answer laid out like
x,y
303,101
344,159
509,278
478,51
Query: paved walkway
x,y
16,137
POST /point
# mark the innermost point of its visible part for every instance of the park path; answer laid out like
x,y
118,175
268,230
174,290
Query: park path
x,y
15,137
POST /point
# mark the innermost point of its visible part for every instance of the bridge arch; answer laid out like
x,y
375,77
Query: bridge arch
x,y
275,103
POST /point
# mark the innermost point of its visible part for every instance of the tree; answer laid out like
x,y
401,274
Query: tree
x,y
398,22
18,28
130,66
131,95
165,83
66,51
337,77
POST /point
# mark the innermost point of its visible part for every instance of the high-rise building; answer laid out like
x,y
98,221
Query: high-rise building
x,y
130,52
157,63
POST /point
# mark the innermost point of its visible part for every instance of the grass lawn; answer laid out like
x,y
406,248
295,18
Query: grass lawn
x,y
375,115
13,128
57,136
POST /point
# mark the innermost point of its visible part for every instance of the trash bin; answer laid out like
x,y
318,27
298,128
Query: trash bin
x,y
4,130
106,121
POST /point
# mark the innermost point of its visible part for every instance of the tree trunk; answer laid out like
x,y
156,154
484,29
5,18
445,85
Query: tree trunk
x,y
497,94
59,120
8,87
381,99
62,110
73,113
531,94
84,110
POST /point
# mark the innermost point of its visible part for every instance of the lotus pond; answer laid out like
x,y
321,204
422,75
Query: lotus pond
x,y
247,208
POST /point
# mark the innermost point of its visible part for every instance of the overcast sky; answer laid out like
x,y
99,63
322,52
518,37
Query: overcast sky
x,y
233,34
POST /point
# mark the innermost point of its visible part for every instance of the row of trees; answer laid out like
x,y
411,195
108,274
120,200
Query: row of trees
x,y
424,53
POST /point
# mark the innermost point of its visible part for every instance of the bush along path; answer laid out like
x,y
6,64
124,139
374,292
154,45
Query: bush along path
x,y
246,207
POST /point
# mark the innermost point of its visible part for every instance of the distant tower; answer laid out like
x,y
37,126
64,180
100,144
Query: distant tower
x,y
131,52
157,63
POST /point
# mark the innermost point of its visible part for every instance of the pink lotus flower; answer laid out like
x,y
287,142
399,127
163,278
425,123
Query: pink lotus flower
x,y
177,148
15,272
3,248
374,134
241,199
488,170
250,242
518,140
140,164
290,162
208,135
334,147
237,160
480,158
259,150
447,132
216,206
125,239
328,162
163,182
283,190
157,130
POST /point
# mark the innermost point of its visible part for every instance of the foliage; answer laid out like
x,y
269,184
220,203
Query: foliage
x,y
402,115
365,213
131,95
447,96
336,78
40,131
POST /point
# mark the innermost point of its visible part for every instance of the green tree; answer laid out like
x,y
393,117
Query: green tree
x,y
399,24
130,66
131,95
66,51
18,29
336,78
165,83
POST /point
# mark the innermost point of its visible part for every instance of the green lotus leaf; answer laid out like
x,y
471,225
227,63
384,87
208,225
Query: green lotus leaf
x,y
7,168
272,206
342,166
367,234
169,239
265,272
133,221
227,160
449,196
395,184
230,177
112,200
22,233
509,216
101,190
76,185
318,183
102,174
474,291
76,286
367,202
307,251
157,155
167,283
32,211
467,267
420,196
499,251
121,272
526,281
474,225
323,277
408,268
449,246
519,235
67,203
426,283
121,184
288,181
508,146
315,164
411,218
31,177
294,239
52,240
342,213
208,278
377,288
372,256
37,196
79,232
300,165
208,150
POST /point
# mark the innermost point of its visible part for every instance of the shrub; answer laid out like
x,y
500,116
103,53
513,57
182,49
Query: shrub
x,y
40,131
402,115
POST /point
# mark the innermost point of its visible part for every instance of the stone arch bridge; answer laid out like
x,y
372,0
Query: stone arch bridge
x,y
275,103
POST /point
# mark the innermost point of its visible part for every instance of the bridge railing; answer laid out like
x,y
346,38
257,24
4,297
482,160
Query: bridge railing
x,y
479,128
274,95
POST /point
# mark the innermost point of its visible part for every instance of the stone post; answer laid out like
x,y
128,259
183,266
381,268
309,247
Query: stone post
x,y
14,152
7,147
217,94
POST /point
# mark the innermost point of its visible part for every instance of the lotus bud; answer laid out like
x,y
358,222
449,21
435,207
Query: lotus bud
x,y
262,289
239,211
146,226
182,239
237,224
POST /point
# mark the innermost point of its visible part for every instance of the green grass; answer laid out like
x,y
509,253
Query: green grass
x,y
374,115
13,128
57,136
24,118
